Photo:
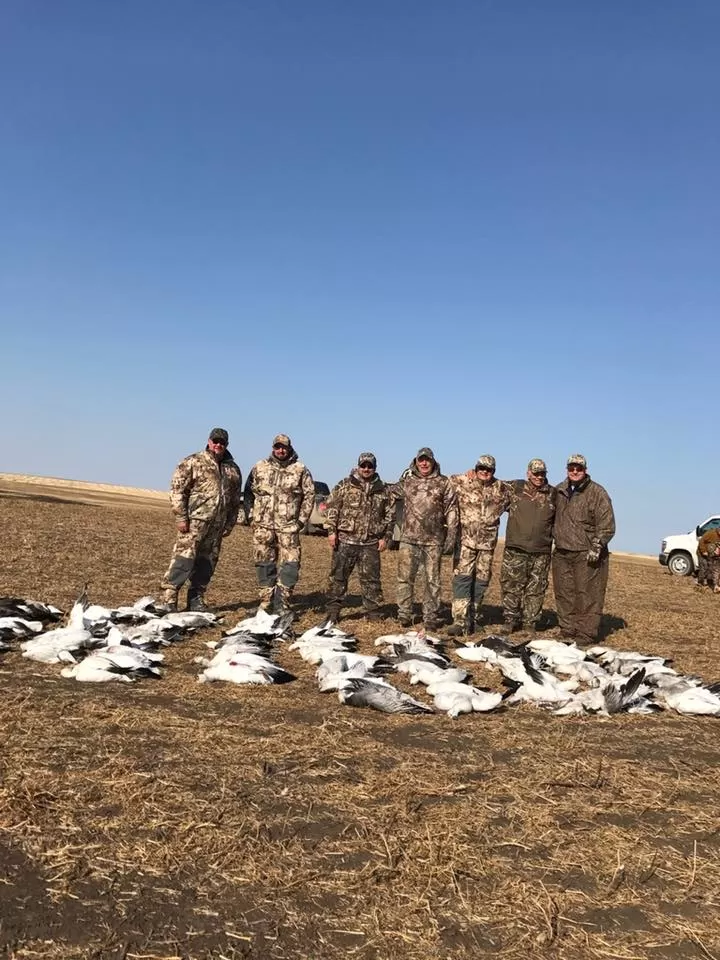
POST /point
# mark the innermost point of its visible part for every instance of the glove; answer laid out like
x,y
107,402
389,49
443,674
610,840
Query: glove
x,y
593,554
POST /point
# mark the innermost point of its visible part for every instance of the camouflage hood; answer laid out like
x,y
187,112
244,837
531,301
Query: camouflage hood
x,y
375,482
291,458
412,469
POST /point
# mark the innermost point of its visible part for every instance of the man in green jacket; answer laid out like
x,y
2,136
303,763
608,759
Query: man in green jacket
x,y
584,525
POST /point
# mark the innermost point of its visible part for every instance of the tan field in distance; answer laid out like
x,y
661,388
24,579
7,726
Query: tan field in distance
x,y
85,492
172,820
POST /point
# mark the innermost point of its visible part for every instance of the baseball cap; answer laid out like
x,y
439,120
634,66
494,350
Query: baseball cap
x,y
578,459
282,439
425,452
486,460
219,435
367,458
536,466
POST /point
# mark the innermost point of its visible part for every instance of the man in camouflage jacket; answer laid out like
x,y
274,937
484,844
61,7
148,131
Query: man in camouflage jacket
x,y
584,525
279,498
429,528
205,495
709,559
359,520
528,543
482,500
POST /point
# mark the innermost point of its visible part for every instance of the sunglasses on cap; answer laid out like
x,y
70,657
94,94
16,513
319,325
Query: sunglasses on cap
x,y
366,465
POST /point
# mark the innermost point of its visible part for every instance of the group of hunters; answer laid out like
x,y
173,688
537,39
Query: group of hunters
x,y
567,526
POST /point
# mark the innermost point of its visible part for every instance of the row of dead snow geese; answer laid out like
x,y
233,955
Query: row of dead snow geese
x,y
100,644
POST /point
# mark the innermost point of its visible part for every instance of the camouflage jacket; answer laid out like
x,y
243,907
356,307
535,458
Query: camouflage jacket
x,y
430,511
708,543
360,512
481,506
279,496
531,517
584,518
203,489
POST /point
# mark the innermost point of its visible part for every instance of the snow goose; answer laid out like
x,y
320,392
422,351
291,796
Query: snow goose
x,y
379,695
96,669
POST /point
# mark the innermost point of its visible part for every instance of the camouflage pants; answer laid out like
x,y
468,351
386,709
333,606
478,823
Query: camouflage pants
x,y
194,557
277,563
471,575
345,558
579,592
708,570
523,582
414,558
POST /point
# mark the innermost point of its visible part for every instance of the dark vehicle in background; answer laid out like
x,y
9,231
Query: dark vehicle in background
x,y
317,518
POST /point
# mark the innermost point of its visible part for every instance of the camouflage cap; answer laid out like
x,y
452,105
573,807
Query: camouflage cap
x,y
282,439
578,459
425,452
367,458
486,460
219,435
536,466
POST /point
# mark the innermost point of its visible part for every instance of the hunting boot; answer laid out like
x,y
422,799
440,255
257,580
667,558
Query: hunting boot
x,y
283,603
332,610
458,629
507,627
196,602
169,603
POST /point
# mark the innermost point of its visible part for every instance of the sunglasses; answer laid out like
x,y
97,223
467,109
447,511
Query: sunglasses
x,y
366,466
484,469
539,473
575,468
219,443
279,446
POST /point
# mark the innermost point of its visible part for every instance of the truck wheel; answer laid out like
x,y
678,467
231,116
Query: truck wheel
x,y
680,564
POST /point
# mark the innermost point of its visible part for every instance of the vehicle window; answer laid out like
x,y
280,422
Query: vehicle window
x,y
321,488
710,525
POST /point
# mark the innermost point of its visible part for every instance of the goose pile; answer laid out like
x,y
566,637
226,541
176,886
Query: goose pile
x,y
245,653
98,644
598,680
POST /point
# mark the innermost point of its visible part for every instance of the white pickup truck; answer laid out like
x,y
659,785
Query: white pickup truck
x,y
679,553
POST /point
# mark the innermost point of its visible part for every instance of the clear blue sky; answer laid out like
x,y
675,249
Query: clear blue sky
x,y
483,226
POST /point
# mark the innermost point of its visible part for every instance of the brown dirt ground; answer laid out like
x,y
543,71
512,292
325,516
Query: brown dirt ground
x,y
178,820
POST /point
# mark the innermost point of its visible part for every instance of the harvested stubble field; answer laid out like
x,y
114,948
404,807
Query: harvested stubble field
x,y
182,820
